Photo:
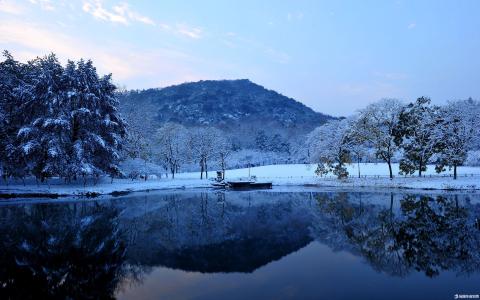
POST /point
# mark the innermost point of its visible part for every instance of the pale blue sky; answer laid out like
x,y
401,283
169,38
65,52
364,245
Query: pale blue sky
x,y
335,56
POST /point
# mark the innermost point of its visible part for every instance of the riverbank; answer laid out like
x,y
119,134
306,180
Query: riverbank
x,y
371,175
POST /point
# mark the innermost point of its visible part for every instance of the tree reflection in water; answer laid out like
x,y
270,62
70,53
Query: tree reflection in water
x,y
426,234
60,251
93,249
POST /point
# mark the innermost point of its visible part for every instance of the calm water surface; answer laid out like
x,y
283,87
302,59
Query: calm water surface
x,y
243,245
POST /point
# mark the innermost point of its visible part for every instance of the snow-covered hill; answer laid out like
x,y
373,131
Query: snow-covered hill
x,y
239,107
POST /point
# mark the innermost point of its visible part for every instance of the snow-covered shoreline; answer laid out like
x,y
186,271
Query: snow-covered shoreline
x,y
280,175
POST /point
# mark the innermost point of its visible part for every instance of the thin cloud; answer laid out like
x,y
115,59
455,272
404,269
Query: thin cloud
x,y
191,32
125,62
124,10
44,4
412,25
121,13
10,7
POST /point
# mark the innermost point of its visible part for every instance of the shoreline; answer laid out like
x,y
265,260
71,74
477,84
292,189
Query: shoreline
x,y
287,176
122,187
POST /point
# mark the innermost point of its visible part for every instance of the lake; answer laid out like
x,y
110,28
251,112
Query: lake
x,y
199,244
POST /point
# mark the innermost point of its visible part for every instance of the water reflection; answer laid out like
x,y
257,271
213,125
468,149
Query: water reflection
x,y
60,251
213,233
427,234
94,249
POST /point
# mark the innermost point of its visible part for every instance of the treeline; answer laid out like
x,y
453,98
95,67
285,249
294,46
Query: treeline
x,y
173,146
416,134
57,120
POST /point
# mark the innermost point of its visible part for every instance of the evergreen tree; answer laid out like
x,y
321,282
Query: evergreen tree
x,y
58,121
41,136
261,140
96,127
415,134
11,118
278,144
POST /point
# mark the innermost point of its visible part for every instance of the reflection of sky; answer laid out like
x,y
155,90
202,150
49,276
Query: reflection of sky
x,y
314,272
335,56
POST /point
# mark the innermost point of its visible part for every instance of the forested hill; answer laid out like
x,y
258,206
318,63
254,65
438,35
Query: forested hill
x,y
239,106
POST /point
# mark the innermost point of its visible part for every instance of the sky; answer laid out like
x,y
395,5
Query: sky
x,y
334,56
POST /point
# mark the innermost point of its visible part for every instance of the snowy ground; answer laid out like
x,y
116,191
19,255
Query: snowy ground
x,y
373,175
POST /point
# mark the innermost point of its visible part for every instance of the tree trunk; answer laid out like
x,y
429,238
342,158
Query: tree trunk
x,y
420,165
358,163
390,169
223,166
201,168
145,165
391,204
206,169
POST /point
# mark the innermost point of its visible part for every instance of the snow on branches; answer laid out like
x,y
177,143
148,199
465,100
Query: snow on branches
x,y
419,132
61,121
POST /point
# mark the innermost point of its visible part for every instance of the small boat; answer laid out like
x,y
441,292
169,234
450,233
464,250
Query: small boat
x,y
261,185
248,185
219,185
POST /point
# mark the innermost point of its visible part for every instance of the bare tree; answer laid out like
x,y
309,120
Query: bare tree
x,y
203,143
224,149
172,139
137,143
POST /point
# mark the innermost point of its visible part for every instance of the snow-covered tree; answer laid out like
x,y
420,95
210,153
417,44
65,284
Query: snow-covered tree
x,y
415,134
97,128
355,142
172,143
138,143
44,136
375,127
11,89
271,142
261,140
203,144
329,147
249,157
67,123
457,132
224,149
278,143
